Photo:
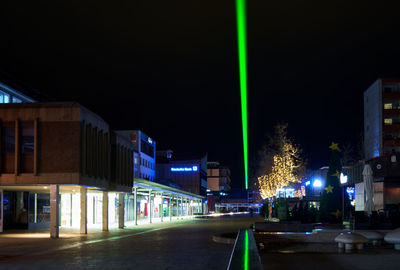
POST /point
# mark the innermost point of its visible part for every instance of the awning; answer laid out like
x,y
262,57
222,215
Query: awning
x,y
145,185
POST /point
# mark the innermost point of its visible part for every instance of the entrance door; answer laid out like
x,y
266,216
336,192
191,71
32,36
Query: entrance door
x,y
15,210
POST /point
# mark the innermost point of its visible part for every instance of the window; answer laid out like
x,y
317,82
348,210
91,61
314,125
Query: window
x,y
387,89
4,98
388,121
27,137
135,160
16,100
388,106
8,132
27,147
8,147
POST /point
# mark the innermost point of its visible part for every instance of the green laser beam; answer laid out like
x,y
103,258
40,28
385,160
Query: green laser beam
x,y
241,32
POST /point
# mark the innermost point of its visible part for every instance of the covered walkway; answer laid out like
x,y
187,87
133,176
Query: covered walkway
x,y
74,208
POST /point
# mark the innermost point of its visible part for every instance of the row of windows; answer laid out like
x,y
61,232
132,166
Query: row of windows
x,y
147,177
388,121
6,98
390,106
25,133
147,164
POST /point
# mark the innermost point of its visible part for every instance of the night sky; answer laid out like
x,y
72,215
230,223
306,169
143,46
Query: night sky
x,y
169,68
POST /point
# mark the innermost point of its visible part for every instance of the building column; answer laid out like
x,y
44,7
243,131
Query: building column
x,y
178,208
121,206
83,223
105,211
135,204
150,207
187,207
170,208
200,207
184,207
162,208
54,211
181,207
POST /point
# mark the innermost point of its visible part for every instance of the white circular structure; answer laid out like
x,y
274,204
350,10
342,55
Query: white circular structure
x,y
350,240
372,236
394,238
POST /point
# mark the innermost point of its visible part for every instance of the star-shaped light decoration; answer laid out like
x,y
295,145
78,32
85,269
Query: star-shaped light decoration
x,y
336,214
336,174
334,146
329,189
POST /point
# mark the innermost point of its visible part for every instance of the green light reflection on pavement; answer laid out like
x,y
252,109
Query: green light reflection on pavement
x,y
246,251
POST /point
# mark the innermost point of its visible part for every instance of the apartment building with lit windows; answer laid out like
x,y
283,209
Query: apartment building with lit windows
x,y
382,143
382,118
145,153
218,178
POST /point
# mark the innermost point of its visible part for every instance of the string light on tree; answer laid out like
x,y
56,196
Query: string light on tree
x,y
283,173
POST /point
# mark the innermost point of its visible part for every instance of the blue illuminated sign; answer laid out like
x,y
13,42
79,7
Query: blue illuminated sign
x,y
351,192
194,168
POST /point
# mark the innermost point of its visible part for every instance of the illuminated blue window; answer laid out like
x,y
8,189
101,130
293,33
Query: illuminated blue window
x,y
16,100
4,98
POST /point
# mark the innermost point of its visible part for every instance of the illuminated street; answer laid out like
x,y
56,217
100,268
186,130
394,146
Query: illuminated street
x,y
174,245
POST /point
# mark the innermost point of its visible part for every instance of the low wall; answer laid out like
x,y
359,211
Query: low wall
x,y
283,227
245,253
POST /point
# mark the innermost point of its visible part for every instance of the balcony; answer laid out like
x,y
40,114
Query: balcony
x,y
391,142
390,95
391,112
393,127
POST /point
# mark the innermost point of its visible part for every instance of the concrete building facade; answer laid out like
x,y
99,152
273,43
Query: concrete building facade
x,y
145,153
187,171
60,152
218,178
61,167
382,118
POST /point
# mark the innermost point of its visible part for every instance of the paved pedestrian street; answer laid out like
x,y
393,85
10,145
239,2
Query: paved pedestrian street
x,y
183,244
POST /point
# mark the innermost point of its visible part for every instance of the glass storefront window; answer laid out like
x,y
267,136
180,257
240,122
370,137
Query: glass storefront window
x,y
70,210
94,209
39,208
112,209
129,207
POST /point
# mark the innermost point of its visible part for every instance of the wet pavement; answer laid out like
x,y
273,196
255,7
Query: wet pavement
x,y
308,256
183,244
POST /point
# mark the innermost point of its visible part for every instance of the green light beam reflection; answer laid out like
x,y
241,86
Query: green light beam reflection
x,y
241,32
246,251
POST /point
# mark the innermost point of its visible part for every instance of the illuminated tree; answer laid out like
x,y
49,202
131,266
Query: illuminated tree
x,y
282,163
